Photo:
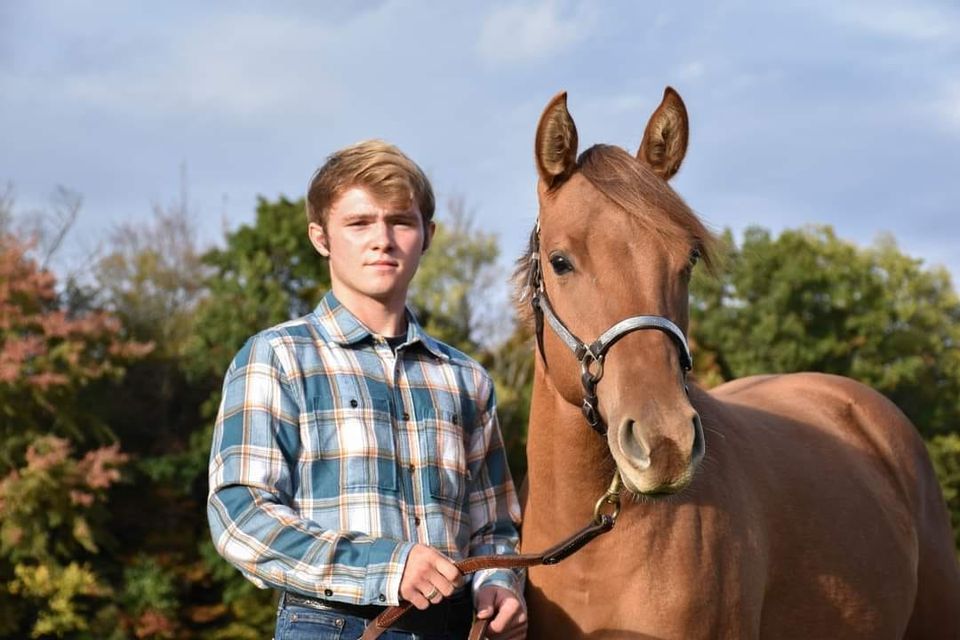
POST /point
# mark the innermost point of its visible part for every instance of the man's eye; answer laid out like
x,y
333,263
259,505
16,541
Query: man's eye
x,y
560,264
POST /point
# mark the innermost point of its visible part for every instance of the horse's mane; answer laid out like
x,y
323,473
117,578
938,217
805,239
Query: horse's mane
x,y
633,187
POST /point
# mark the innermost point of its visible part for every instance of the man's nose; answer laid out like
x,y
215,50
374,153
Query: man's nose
x,y
382,235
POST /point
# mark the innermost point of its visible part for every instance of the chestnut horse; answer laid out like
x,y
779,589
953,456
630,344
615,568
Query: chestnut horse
x,y
814,511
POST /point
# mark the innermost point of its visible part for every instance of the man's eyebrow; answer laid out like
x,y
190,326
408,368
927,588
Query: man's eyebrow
x,y
359,215
402,214
363,216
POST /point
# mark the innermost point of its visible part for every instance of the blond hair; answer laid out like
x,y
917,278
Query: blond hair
x,y
381,168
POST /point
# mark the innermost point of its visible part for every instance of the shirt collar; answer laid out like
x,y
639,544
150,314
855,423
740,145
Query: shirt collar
x,y
342,327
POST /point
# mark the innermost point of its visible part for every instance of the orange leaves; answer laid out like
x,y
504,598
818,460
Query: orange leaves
x,y
99,468
153,624
47,453
48,352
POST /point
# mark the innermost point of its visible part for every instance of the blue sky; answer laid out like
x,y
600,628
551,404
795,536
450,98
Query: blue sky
x,y
844,113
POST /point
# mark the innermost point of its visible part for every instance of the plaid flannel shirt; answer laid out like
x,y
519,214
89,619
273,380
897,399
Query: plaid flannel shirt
x,y
332,456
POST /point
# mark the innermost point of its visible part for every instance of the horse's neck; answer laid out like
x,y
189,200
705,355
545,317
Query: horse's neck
x,y
568,464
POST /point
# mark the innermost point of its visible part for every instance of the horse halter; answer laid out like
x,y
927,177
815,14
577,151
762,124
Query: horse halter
x,y
591,356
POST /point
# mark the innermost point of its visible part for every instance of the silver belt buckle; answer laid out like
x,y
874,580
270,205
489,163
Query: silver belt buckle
x,y
305,602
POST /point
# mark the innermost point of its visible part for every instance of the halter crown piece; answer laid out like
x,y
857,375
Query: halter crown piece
x,y
591,356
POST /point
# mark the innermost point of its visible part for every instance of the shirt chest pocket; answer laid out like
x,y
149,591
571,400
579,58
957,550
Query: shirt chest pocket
x,y
356,448
442,437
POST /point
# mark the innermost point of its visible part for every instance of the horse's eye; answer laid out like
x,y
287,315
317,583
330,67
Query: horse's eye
x,y
694,257
560,264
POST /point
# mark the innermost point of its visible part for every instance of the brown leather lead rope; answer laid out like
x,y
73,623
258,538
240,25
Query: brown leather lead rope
x,y
479,629
601,524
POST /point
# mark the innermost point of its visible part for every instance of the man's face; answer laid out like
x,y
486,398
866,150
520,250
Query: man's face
x,y
374,248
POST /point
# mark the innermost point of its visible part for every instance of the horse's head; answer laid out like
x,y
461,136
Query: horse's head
x,y
615,242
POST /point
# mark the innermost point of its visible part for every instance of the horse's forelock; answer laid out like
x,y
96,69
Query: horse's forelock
x,y
638,190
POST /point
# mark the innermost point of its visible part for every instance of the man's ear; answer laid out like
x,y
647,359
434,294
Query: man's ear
x,y
428,234
318,238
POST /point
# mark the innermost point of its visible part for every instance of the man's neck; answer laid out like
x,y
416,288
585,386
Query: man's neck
x,y
386,318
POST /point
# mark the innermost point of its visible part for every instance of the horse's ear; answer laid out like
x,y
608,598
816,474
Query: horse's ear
x,y
665,139
556,144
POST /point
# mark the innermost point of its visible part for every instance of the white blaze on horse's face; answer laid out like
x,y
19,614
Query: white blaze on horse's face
x,y
617,242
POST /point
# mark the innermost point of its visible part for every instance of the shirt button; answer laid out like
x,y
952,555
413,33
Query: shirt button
x,y
383,598
456,419
416,521
406,416
353,403
328,592
412,468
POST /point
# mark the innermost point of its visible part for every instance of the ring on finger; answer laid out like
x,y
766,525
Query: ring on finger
x,y
433,594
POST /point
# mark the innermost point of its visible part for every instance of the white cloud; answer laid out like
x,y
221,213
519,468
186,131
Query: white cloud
x,y
947,108
602,107
692,71
530,33
917,22
240,66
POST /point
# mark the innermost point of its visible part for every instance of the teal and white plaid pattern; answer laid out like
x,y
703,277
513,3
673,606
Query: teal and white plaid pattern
x,y
332,456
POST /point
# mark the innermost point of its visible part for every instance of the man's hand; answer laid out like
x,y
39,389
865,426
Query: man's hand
x,y
428,577
507,613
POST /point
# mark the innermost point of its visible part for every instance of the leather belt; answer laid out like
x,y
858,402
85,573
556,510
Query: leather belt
x,y
451,616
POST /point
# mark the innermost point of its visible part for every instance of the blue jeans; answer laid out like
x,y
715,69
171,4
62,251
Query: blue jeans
x,y
296,622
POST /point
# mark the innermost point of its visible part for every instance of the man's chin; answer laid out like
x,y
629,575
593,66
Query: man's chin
x,y
387,289
386,293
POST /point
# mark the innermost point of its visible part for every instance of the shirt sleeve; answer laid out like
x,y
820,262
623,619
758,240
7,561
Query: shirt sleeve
x,y
494,507
256,443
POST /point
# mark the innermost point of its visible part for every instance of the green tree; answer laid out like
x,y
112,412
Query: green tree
x,y
152,278
807,300
452,286
945,454
511,365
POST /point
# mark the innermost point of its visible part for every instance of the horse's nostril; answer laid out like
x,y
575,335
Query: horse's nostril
x,y
699,444
634,446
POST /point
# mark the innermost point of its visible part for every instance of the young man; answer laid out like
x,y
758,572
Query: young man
x,y
354,456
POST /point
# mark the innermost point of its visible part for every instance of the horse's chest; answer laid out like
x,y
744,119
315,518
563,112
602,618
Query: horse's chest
x,y
656,584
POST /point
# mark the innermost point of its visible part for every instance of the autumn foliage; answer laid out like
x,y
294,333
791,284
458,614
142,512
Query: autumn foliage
x,y
57,461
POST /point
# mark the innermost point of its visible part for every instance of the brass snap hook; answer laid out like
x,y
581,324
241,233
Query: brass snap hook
x,y
612,498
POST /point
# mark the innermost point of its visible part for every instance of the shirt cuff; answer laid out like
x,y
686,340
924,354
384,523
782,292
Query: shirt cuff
x,y
386,562
506,578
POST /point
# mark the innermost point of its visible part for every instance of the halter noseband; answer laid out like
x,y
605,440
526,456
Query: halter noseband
x,y
593,354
